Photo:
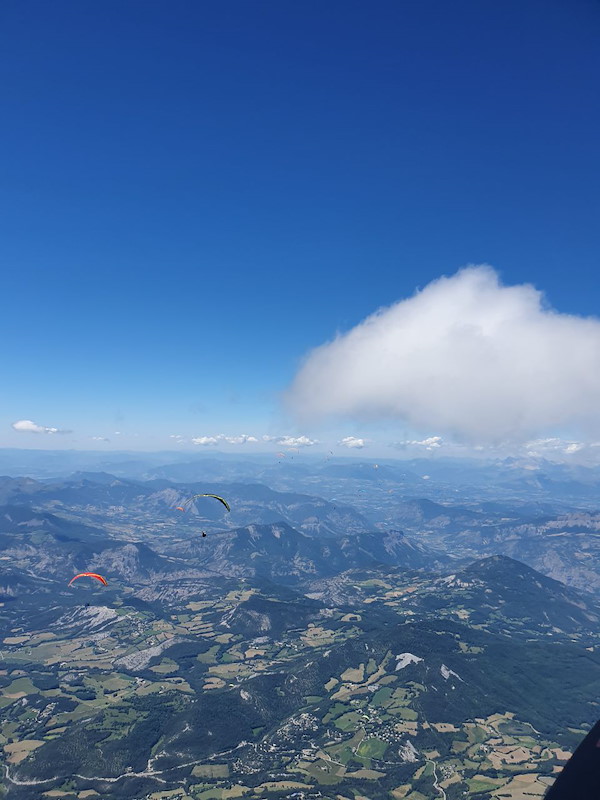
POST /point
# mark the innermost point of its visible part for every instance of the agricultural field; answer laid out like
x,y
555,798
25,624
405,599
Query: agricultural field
x,y
373,682
364,713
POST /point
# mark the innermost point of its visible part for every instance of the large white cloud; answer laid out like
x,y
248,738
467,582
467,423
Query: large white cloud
x,y
466,356
29,426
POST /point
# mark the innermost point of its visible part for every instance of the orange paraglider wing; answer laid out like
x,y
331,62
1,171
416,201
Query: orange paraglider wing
x,y
179,508
89,575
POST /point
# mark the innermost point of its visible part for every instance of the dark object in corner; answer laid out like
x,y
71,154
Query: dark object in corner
x,y
580,777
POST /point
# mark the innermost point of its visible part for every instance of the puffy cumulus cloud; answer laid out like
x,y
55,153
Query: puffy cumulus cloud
x,y
574,447
290,441
221,437
431,443
296,441
352,441
466,355
205,441
28,426
242,439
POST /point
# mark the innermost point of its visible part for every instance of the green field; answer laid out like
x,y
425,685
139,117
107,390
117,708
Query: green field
x,y
372,748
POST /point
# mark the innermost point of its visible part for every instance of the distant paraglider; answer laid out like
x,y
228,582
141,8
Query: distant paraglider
x,y
90,575
189,502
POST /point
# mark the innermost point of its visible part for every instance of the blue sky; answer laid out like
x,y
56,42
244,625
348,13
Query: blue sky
x,y
196,194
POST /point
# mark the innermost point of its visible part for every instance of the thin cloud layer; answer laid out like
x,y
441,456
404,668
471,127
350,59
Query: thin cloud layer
x,y
431,443
29,426
465,356
556,446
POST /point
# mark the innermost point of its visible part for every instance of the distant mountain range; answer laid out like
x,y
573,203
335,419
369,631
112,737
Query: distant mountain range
x,y
530,479
565,545
91,493
43,543
279,552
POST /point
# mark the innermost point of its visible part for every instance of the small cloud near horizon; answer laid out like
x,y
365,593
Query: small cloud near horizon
x,y
221,437
555,445
284,441
242,439
296,441
353,442
205,441
29,426
430,443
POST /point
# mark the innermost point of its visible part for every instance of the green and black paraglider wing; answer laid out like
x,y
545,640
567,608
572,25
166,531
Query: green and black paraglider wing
x,y
189,502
